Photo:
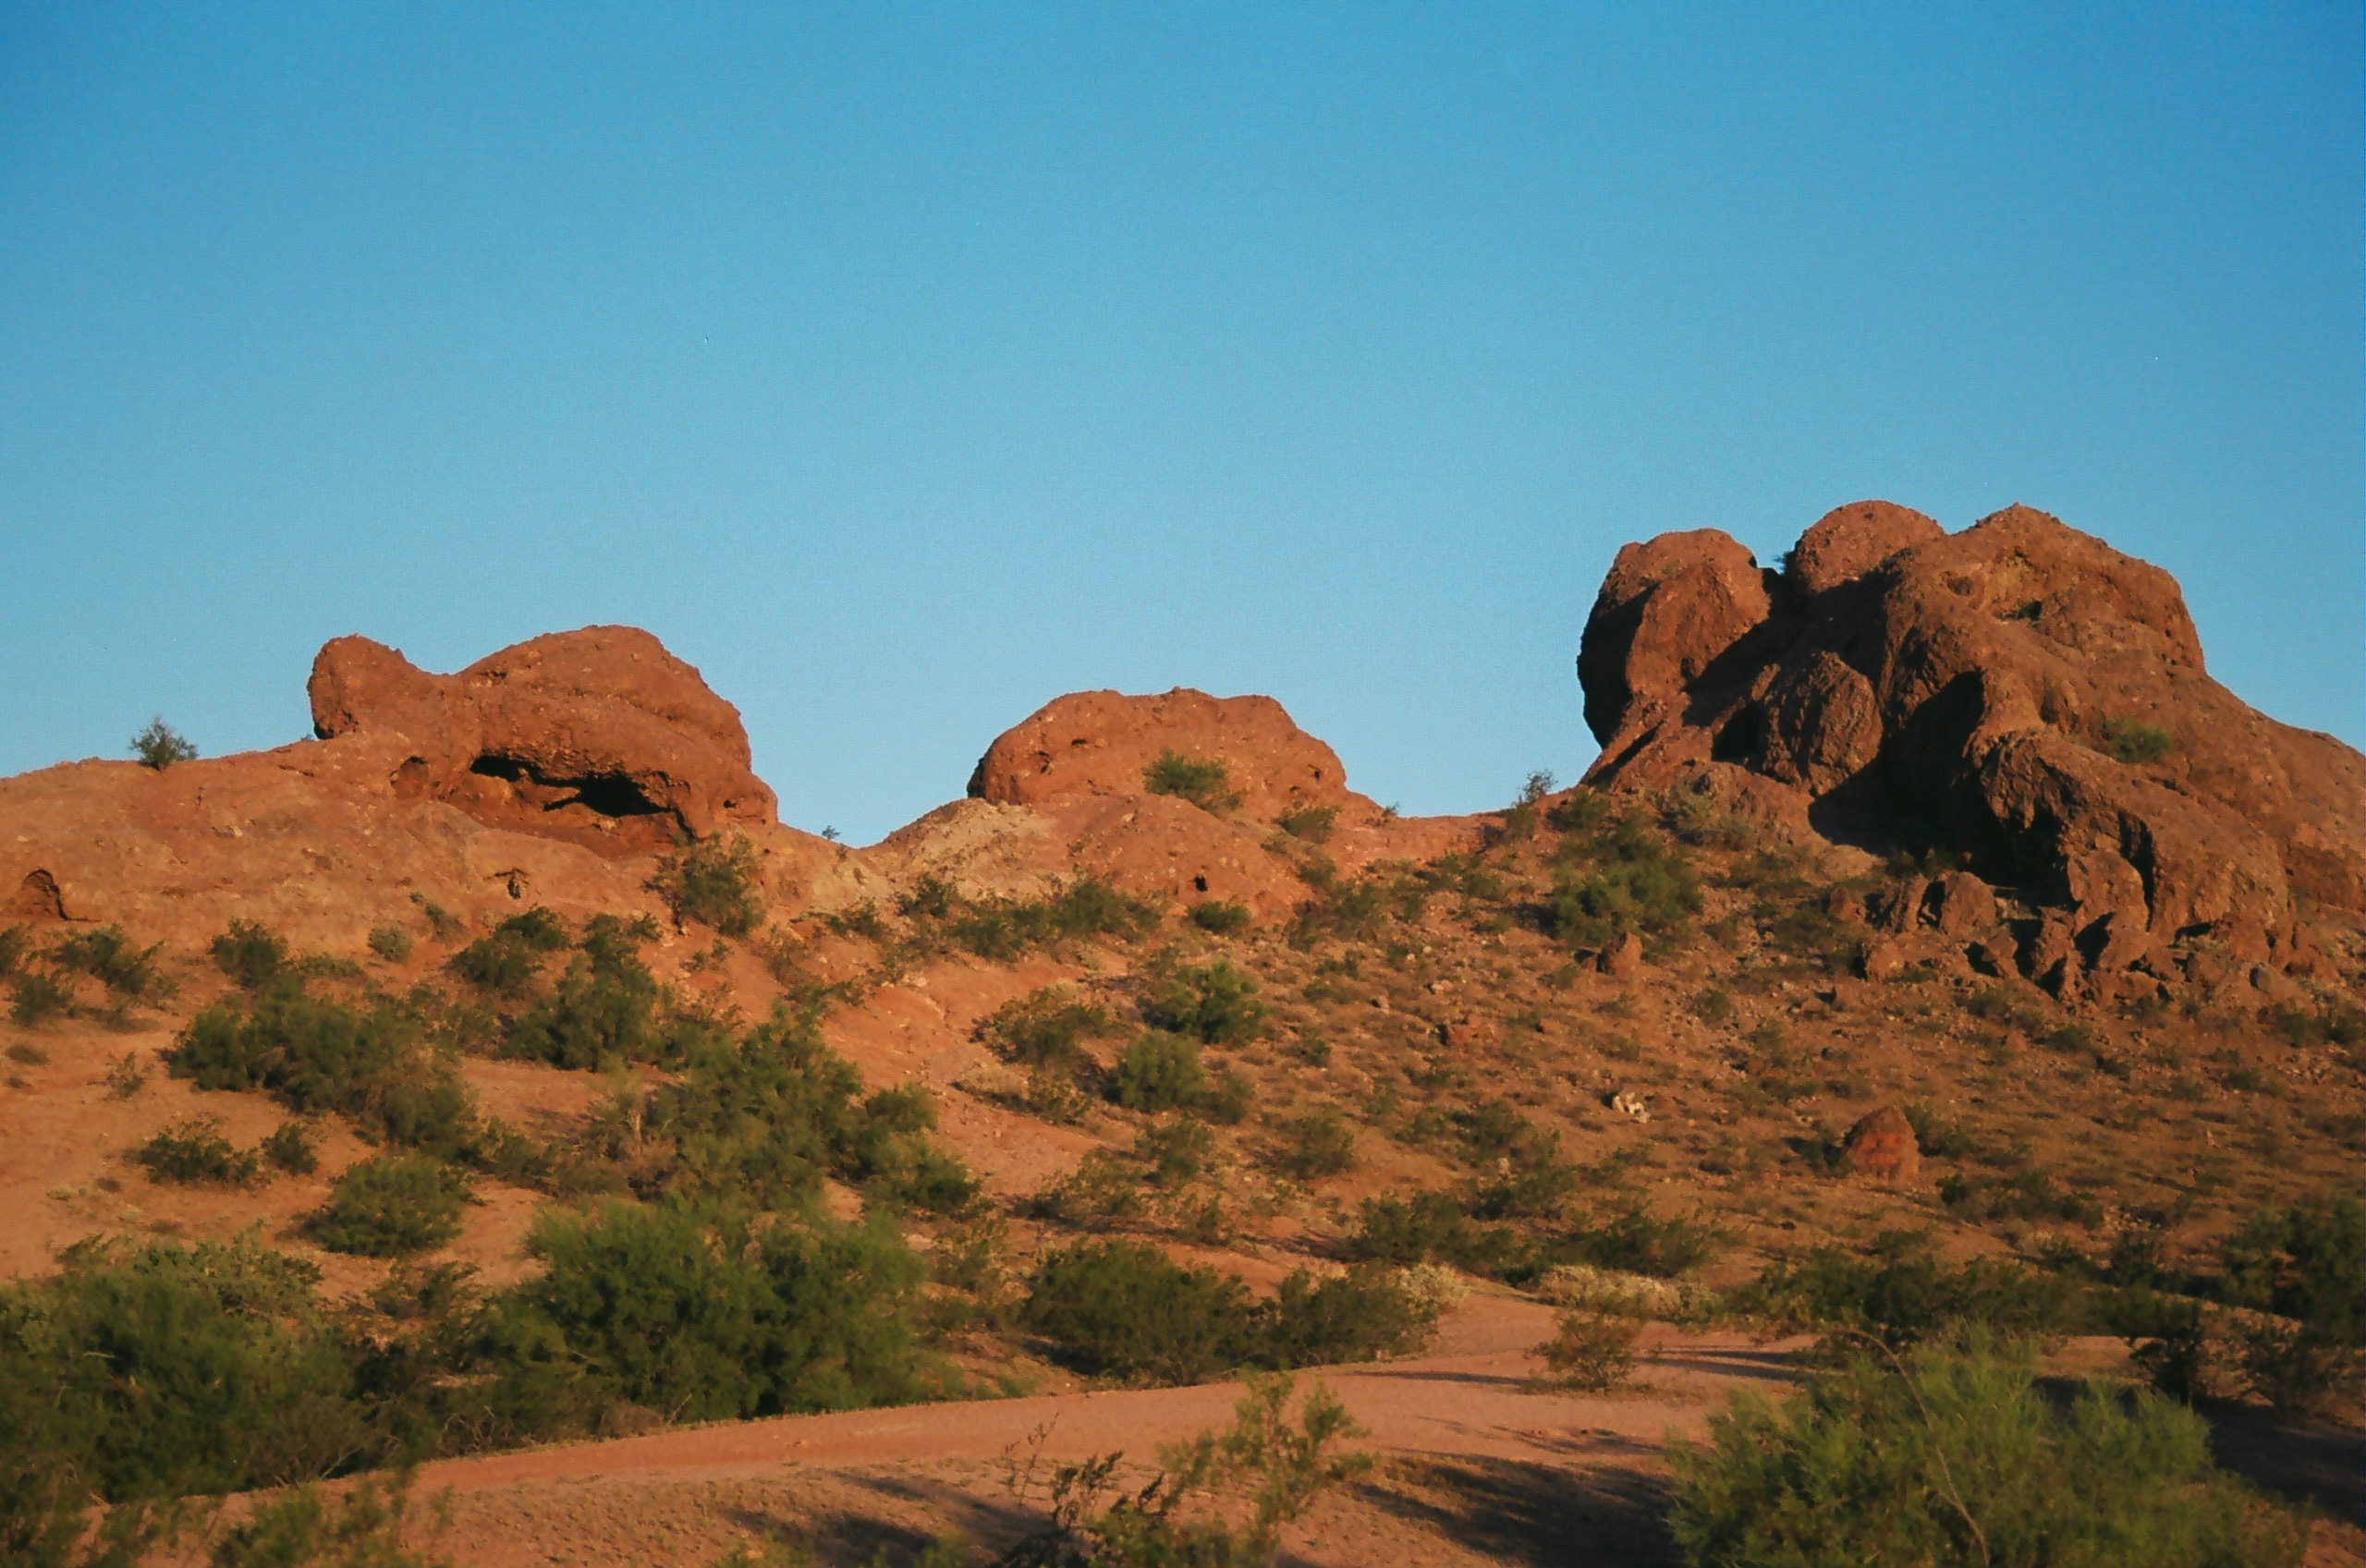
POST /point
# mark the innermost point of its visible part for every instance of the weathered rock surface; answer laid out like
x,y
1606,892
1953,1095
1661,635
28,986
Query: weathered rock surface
x,y
1102,742
1882,1145
599,736
2019,692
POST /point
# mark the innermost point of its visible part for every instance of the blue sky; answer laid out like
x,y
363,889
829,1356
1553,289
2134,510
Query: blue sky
x,y
904,367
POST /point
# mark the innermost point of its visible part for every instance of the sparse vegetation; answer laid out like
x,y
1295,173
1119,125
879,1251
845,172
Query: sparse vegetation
x,y
714,881
393,1205
112,959
1312,823
1319,1143
1200,780
1590,1352
1216,1004
193,1152
41,995
390,943
2137,743
252,954
160,746
1221,918
1952,1455
1159,1071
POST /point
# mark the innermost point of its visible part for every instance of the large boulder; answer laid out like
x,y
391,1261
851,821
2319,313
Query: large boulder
x,y
599,736
2019,692
1104,743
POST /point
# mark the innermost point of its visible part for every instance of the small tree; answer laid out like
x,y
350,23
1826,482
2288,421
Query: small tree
x,y
160,746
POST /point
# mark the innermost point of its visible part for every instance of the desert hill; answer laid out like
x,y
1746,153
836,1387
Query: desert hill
x,y
1927,895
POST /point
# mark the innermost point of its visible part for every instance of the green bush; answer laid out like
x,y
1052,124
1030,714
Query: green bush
x,y
1312,823
1636,1241
1002,929
41,995
1319,1143
16,943
253,955
714,881
506,959
111,958
1903,1294
2307,1266
2137,743
292,1149
1198,779
1043,1028
393,1205
1590,1352
1363,1315
160,746
706,1317
1431,1227
361,1527
194,1152
390,943
1222,917
605,1008
1124,1309
1214,1002
2024,1195
1159,1071
147,1373
1637,882
371,1065
1958,1457
1175,1151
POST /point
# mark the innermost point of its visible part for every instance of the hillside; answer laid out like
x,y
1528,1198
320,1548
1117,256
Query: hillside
x,y
1948,841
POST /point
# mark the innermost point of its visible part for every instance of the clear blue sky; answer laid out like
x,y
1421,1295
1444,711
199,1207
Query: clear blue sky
x,y
903,367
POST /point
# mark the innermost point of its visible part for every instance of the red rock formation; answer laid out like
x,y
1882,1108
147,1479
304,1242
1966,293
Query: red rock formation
x,y
1982,691
1102,742
600,737
1882,1145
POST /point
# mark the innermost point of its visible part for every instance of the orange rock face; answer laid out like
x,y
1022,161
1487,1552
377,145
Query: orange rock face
x,y
1103,742
2019,692
600,737
1881,1146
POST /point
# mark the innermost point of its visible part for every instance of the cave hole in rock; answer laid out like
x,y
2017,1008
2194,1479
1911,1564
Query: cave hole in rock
x,y
610,795
1740,738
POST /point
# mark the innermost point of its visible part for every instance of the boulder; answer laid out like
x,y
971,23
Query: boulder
x,y
1881,1146
1623,959
1103,743
599,736
2019,693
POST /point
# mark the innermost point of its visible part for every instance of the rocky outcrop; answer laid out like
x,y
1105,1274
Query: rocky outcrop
x,y
1881,1146
599,736
2019,693
1103,742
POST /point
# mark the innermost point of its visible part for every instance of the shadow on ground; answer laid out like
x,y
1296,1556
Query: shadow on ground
x,y
1528,1512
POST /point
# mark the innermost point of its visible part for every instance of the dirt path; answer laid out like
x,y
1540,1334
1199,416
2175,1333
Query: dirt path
x,y
1475,1468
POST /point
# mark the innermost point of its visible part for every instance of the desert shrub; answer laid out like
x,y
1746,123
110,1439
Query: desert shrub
x,y
27,1055
1222,917
1594,1352
2024,1195
2135,742
1198,779
1956,1456
604,1009
41,995
886,1149
1431,1227
391,1205
1903,1294
1312,823
252,954
1175,1151
111,958
1636,1241
2307,1266
291,1147
1043,1028
160,746
1319,1143
1635,882
369,1063
2337,1022
127,1075
714,881
16,944
856,921
707,1316
1159,1071
1214,1002
390,943
144,1374
1191,1513
1365,1314
1124,1309
1002,928
194,1153
506,959
360,1528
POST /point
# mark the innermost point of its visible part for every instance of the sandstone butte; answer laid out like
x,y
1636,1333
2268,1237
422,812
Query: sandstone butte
x,y
2021,703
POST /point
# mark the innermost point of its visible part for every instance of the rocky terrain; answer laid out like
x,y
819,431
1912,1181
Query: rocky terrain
x,y
1926,887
